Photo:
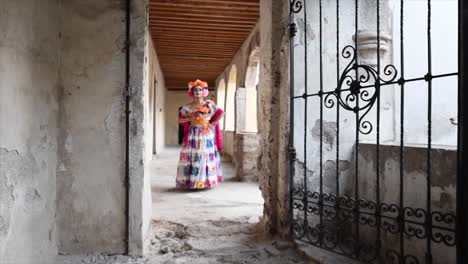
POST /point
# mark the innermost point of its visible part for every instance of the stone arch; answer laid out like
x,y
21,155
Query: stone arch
x,y
251,82
229,123
221,98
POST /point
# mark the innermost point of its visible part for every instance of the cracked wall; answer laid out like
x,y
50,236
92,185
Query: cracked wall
x,y
414,187
273,94
29,48
62,140
90,173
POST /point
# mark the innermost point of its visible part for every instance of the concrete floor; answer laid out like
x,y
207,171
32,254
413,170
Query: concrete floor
x,y
203,227
230,200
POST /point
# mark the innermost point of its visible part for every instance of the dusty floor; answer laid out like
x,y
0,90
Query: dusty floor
x,y
203,227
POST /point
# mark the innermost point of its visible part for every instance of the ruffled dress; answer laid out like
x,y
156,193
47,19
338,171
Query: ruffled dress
x,y
199,162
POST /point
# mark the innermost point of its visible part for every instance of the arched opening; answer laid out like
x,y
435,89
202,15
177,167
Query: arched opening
x,y
230,100
221,98
251,82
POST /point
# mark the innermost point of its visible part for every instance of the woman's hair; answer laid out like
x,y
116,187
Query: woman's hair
x,y
197,83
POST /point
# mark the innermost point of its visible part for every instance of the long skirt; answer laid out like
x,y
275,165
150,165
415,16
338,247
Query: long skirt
x,y
199,162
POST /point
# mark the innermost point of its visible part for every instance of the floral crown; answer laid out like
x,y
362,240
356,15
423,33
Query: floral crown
x,y
197,82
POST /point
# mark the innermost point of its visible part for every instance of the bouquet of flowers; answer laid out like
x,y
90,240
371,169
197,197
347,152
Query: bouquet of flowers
x,y
201,112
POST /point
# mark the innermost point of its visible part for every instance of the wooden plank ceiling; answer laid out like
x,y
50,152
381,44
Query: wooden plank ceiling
x,y
198,38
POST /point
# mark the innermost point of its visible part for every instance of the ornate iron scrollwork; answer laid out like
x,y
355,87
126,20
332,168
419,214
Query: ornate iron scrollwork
x,y
295,6
352,95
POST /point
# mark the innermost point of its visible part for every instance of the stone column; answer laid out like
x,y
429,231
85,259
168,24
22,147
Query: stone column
x,y
367,47
140,189
273,92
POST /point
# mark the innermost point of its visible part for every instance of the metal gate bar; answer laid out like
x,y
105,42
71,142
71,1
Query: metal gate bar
x,y
409,222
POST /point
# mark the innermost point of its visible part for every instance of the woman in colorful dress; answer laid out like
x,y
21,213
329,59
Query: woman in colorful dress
x,y
199,163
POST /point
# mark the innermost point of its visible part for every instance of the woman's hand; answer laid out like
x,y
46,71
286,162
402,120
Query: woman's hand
x,y
213,125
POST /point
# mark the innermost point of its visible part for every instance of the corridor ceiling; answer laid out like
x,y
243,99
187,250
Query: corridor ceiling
x,y
198,38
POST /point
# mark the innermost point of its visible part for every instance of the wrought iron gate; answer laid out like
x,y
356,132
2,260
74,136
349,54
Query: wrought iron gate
x,y
352,206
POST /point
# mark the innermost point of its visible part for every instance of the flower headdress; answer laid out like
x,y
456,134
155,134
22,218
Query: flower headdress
x,y
203,85
197,82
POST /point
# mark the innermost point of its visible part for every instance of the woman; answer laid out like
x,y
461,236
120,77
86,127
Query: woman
x,y
199,163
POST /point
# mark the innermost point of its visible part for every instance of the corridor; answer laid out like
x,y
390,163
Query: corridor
x,y
231,200
201,227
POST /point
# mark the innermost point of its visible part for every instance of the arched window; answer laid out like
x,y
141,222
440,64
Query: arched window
x,y
251,82
221,99
230,100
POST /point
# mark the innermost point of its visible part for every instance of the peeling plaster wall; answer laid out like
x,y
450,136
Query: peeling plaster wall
x,y
29,47
90,173
62,75
308,36
443,194
273,94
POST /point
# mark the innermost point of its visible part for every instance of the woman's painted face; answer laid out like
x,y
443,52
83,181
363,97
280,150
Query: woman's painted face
x,y
197,91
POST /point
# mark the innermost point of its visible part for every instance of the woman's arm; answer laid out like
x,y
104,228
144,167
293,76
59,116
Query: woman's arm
x,y
217,118
185,118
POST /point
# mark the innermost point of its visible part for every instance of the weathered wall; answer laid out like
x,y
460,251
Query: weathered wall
x,y
90,174
307,130
248,151
156,101
273,114
140,188
414,186
64,88
29,47
444,38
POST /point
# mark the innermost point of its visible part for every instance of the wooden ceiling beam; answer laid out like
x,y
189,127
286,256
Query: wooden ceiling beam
x,y
198,38
211,65
218,39
194,67
182,76
173,71
243,2
208,27
192,21
154,13
201,32
206,10
180,45
195,41
176,57
228,57
194,54
201,5
200,51
226,26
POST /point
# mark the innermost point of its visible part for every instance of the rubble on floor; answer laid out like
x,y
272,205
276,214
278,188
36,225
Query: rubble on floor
x,y
215,241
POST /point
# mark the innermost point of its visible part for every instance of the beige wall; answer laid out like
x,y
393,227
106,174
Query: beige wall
x,y
155,106
174,99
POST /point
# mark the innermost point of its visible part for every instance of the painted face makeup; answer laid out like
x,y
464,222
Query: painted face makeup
x,y
197,91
